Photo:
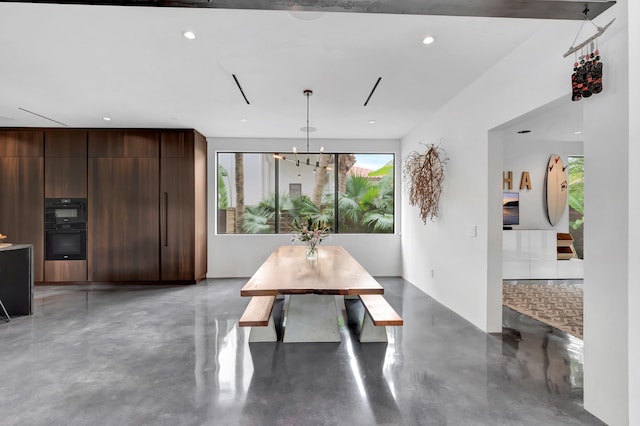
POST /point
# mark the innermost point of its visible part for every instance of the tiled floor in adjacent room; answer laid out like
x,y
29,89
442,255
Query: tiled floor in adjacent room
x,y
106,355
558,303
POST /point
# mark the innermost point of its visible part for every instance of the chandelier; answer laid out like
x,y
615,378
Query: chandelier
x,y
305,162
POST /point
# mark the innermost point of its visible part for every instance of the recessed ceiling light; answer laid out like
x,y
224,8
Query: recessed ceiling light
x,y
244,120
577,132
522,132
428,40
189,35
107,118
372,121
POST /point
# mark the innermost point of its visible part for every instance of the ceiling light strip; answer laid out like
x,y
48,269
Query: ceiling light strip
x,y
240,88
372,90
42,116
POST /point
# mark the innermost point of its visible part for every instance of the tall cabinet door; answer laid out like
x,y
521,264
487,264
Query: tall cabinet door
x,y
201,195
123,202
183,206
65,170
65,176
22,191
177,219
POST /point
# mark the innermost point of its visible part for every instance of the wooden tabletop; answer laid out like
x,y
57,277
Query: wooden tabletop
x,y
287,271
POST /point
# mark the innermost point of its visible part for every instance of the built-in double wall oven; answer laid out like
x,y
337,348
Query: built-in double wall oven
x,y
65,228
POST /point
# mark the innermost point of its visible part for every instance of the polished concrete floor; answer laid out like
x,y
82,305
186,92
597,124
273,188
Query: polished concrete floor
x,y
104,355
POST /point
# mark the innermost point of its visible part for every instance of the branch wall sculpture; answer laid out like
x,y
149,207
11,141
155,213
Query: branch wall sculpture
x,y
425,175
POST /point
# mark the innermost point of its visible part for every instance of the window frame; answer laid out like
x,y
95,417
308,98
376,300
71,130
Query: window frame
x,y
276,180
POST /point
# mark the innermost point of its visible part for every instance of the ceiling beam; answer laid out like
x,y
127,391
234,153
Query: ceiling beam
x,y
538,9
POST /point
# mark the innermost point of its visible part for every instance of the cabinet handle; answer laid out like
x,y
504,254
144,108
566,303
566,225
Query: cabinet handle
x,y
166,219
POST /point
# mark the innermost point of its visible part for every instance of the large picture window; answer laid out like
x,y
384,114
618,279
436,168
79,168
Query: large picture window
x,y
264,193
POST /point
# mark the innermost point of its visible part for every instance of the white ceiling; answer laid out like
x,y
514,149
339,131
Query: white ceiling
x,y
558,121
77,64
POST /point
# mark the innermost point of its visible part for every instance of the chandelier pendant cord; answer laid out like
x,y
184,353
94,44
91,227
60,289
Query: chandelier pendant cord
x,y
307,94
316,165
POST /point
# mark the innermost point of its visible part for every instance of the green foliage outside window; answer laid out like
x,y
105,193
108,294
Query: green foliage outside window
x,y
365,203
576,189
576,202
223,195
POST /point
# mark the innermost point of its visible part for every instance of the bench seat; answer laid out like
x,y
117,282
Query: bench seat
x,y
378,314
380,311
258,316
257,312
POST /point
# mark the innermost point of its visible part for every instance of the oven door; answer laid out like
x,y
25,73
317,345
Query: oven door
x,y
65,244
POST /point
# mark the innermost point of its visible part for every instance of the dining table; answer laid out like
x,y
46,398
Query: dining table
x,y
312,289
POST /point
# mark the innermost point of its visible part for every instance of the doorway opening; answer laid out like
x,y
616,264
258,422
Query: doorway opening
x,y
536,280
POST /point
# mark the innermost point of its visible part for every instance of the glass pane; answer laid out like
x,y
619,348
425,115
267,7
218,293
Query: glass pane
x,y
246,193
306,189
62,213
365,193
576,202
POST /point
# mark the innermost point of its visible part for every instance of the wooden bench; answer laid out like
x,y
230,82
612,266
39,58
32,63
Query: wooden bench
x,y
257,315
378,314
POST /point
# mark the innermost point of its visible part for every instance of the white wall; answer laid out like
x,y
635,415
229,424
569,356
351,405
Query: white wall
x,y
241,255
255,168
472,191
606,283
634,212
533,156
522,82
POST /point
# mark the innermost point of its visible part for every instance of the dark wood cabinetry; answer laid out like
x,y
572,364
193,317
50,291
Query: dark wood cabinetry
x,y
123,144
22,191
65,170
200,204
123,204
146,193
65,176
182,214
21,143
65,271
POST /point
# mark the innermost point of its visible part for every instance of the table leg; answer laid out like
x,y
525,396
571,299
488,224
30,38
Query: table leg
x,y
264,334
369,332
311,318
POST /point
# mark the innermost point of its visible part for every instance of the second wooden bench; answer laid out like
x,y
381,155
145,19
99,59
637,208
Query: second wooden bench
x,y
378,315
258,316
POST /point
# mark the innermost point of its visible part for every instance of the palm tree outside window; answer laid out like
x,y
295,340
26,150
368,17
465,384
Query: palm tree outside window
x,y
357,189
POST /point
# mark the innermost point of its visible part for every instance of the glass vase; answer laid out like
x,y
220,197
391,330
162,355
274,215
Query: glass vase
x,y
312,253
